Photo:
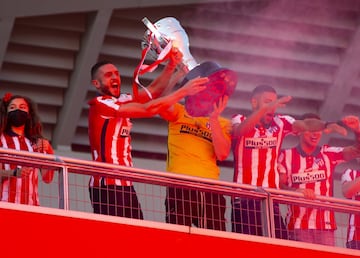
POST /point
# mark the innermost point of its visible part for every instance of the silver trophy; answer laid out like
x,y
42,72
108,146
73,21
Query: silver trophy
x,y
222,81
161,33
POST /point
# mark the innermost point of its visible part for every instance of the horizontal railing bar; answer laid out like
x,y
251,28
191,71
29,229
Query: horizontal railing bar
x,y
86,167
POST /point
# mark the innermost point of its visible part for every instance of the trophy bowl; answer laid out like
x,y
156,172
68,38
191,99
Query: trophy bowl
x,y
222,82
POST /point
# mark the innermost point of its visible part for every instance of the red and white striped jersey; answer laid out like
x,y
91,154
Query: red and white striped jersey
x,y
256,153
109,136
23,189
353,232
314,172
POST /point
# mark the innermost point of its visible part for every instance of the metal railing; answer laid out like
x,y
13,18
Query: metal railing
x,y
69,190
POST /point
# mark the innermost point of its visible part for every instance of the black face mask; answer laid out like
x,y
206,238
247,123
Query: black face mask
x,y
17,117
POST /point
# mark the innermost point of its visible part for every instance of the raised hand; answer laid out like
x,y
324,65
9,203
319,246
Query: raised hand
x,y
281,102
335,128
308,193
278,103
43,146
175,56
219,107
352,122
195,85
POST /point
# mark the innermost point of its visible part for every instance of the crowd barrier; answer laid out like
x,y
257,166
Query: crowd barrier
x,y
69,190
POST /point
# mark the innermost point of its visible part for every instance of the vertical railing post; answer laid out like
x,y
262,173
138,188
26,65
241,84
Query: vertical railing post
x,y
63,188
266,217
271,218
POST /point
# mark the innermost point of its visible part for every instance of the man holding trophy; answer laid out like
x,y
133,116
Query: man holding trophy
x,y
198,135
110,125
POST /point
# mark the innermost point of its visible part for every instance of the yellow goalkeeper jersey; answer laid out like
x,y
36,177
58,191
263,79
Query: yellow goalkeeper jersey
x,y
190,148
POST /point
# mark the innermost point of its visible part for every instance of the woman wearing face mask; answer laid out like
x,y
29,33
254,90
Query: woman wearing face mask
x,y
21,129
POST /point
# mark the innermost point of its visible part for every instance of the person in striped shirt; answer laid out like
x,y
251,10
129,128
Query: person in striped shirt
x,y
21,129
350,181
256,142
110,127
309,168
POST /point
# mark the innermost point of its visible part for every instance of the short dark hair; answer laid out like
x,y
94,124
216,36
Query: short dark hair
x,y
96,67
261,89
310,115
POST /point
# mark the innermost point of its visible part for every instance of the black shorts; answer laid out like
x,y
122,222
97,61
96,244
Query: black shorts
x,y
354,244
116,200
203,209
246,218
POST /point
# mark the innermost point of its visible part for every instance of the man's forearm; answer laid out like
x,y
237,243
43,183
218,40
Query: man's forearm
x,y
162,103
308,124
221,143
162,82
249,123
351,188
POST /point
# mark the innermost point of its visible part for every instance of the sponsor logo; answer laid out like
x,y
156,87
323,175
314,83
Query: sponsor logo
x,y
261,143
196,131
125,131
308,177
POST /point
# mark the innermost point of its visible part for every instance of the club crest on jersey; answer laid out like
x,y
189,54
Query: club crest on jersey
x,y
319,162
273,129
308,177
261,143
